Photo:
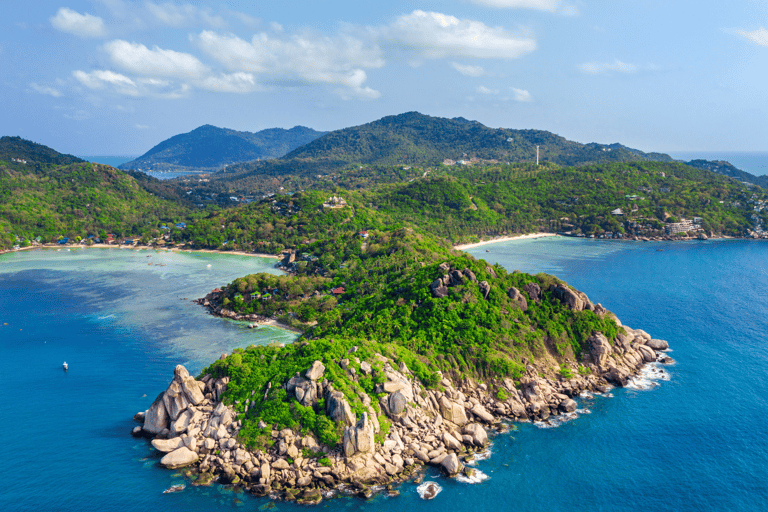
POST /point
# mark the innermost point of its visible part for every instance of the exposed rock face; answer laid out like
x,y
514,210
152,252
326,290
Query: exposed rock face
x,y
316,371
568,297
485,288
396,403
657,344
156,417
451,465
337,408
179,458
452,411
534,291
426,426
599,349
516,296
358,439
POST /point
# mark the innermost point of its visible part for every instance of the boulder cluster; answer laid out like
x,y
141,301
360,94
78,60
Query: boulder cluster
x,y
441,427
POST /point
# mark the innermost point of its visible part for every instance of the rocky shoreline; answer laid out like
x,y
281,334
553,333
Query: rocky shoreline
x,y
440,427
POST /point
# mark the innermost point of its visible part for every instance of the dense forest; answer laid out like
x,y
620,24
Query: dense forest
x,y
209,148
371,267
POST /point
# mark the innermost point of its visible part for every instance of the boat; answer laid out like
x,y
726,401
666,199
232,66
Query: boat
x,y
65,366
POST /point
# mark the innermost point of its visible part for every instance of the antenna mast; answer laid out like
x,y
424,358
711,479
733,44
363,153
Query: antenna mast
x,y
537,156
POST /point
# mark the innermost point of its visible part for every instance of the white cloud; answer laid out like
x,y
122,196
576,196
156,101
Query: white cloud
x,y
138,59
142,126
555,6
123,85
607,68
485,90
238,82
50,91
301,58
183,15
521,95
468,70
82,25
759,36
433,35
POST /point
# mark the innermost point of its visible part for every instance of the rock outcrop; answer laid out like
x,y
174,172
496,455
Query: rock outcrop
x,y
440,427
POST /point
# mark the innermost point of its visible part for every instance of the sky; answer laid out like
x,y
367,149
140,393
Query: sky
x,y
116,77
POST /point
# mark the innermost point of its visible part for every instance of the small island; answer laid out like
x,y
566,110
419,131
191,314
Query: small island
x,y
364,399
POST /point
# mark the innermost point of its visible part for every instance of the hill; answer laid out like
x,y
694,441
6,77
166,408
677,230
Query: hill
x,y
414,138
728,169
42,201
13,149
411,140
209,148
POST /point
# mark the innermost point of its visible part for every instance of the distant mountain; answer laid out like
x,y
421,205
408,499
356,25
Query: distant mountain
x,y
414,138
22,149
209,148
728,169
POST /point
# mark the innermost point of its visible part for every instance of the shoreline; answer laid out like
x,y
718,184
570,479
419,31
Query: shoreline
x,y
464,247
140,248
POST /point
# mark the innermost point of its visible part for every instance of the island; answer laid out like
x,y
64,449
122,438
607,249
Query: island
x,y
421,372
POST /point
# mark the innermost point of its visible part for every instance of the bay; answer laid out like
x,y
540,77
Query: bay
x,y
695,442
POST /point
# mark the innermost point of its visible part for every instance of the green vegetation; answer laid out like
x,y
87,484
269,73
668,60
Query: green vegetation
x,y
209,148
365,260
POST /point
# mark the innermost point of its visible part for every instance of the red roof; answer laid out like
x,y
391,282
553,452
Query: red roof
x,y
338,291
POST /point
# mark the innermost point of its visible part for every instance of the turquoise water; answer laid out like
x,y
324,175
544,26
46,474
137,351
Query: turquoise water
x,y
693,443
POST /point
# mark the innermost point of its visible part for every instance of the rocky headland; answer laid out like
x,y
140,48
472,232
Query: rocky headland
x,y
441,425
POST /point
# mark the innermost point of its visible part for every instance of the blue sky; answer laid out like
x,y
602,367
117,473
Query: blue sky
x,y
118,76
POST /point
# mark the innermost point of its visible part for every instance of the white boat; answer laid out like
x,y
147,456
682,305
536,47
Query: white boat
x,y
65,366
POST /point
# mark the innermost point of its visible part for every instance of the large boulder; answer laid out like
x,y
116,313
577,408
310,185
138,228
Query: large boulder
x,y
396,403
156,417
518,297
477,433
452,411
599,349
179,458
315,371
360,438
167,445
648,354
534,291
482,413
568,297
451,465
485,288
306,392
657,344
337,408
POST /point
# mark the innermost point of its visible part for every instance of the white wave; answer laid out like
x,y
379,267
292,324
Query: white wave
x,y
648,377
586,394
105,317
556,421
584,411
477,477
428,490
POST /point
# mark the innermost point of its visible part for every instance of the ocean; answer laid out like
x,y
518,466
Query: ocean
x,y
753,162
123,319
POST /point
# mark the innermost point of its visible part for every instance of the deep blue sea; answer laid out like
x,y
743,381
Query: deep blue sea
x,y
753,162
696,442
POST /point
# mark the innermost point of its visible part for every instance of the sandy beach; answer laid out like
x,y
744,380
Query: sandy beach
x,y
464,247
140,248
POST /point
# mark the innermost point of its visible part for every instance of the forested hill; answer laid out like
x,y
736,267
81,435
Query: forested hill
x,y
728,169
209,148
414,138
13,149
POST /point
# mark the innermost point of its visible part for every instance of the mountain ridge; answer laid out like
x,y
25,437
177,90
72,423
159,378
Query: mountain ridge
x,y
209,148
